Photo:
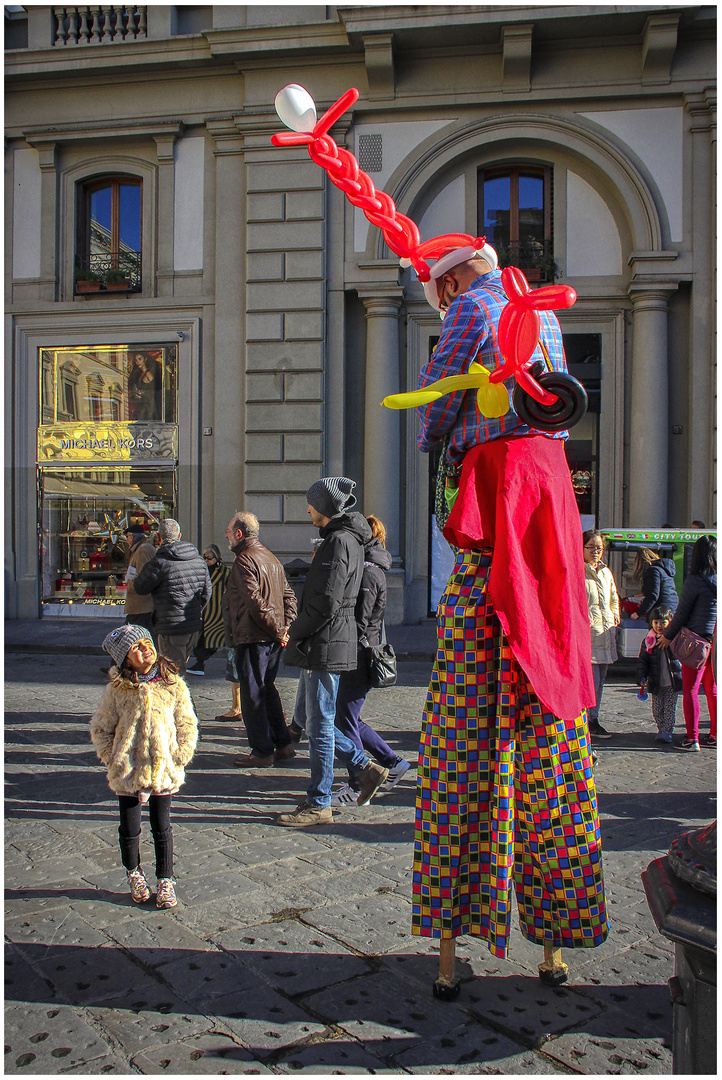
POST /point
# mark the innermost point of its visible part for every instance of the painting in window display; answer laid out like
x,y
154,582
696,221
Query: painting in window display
x,y
84,516
102,384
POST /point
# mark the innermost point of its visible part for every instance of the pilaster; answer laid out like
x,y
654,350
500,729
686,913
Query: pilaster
x,y
382,442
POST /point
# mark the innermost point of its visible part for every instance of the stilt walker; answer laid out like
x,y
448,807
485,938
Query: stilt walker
x,y
505,789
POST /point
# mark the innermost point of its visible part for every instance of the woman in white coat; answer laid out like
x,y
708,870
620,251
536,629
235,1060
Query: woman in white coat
x,y
603,604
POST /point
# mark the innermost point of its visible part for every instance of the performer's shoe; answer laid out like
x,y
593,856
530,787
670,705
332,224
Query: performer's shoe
x,y
597,731
447,989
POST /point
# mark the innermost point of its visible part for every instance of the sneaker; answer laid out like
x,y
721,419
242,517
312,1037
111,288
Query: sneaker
x,y
195,671
370,780
664,736
395,773
690,745
597,731
305,815
345,796
165,894
709,741
296,732
139,887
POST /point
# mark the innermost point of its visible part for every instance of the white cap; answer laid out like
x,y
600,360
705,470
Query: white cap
x,y
452,259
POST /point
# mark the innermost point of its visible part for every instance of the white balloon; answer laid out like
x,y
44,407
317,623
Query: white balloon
x,y
296,108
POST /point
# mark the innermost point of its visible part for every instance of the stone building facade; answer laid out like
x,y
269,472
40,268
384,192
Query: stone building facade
x,y
269,318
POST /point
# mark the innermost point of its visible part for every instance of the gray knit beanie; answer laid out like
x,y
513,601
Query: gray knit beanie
x,y
120,641
332,496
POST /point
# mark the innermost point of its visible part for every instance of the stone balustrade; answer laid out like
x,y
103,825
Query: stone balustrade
x,y
99,25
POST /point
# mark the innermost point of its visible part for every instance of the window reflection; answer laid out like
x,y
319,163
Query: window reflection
x,y
104,384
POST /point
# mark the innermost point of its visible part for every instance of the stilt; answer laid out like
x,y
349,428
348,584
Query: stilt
x,y
447,985
553,971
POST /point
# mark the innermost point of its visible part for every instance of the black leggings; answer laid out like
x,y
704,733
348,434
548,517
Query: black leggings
x,y
129,832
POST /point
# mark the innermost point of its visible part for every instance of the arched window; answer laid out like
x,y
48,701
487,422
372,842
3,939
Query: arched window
x,y
515,216
108,250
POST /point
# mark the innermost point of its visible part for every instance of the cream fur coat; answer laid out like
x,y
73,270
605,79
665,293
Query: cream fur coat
x,y
145,734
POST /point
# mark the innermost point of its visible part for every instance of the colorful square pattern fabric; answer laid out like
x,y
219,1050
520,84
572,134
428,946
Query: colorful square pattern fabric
x,y
505,792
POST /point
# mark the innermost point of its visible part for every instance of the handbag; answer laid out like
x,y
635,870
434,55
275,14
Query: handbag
x,y
690,649
381,661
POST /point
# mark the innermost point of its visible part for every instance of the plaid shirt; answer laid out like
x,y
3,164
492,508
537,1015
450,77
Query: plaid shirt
x,y
469,333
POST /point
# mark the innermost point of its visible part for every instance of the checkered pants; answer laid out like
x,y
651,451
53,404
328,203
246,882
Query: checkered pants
x,y
505,792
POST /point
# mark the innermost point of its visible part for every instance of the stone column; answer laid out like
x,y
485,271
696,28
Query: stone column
x,y
649,416
223,455
382,444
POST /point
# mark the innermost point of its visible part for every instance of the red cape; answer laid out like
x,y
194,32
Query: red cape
x,y
515,495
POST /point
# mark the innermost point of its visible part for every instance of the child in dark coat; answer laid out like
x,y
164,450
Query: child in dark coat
x,y
661,674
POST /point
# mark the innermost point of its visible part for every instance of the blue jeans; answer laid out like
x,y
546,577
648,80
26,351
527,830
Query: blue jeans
x,y
315,711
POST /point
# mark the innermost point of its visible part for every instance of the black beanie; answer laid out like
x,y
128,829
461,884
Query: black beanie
x,y
332,496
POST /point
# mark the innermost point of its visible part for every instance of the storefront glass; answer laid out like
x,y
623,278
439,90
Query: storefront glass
x,y
107,459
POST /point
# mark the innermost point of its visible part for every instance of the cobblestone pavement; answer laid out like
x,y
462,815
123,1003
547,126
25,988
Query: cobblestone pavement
x,y
290,951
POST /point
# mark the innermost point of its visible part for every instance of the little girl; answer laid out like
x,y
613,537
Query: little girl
x,y
145,733
661,674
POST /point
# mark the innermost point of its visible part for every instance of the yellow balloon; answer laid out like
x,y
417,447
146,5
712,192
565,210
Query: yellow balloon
x,y
493,400
411,400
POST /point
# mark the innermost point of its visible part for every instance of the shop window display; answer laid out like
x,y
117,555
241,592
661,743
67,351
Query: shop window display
x,y
107,459
84,517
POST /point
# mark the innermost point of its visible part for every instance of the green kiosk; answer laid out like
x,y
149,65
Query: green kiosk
x,y
622,546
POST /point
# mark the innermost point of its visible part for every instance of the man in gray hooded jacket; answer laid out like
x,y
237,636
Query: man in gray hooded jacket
x,y
323,643
180,584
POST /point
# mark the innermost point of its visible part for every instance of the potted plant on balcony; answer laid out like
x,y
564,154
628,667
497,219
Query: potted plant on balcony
x,y
116,281
88,280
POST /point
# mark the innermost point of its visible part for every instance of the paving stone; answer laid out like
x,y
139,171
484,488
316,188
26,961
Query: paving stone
x,y
292,956
83,976
602,1054
157,939
385,1017
146,1030
21,982
331,1056
41,934
200,976
372,926
276,844
524,1008
204,1054
276,874
264,1020
45,1038
109,1064
470,1049
67,871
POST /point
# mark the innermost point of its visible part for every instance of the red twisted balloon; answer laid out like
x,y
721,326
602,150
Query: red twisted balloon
x,y
520,325
400,232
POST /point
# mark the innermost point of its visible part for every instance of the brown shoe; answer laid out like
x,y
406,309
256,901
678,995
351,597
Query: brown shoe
x,y
284,752
251,761
305,815
370,780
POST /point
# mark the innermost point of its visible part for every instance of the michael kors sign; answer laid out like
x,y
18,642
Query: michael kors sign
x,y
133,442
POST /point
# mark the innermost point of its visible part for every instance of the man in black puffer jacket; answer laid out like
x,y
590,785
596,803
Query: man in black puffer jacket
x,y
323,643
179,581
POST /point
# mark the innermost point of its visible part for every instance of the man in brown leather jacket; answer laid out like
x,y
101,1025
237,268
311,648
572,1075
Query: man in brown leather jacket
x,y
262,606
